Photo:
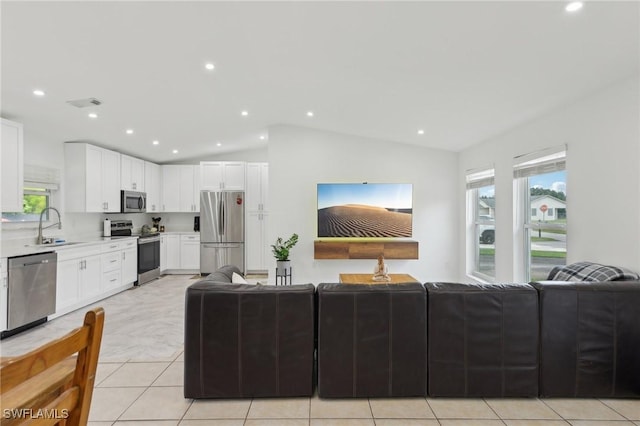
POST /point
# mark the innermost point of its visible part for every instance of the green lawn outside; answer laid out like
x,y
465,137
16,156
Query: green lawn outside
x,y
534,253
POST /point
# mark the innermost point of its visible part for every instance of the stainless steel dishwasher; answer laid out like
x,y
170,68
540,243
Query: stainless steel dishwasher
x,y
32,290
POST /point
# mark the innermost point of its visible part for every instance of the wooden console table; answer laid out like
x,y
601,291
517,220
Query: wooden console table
x,y
368,279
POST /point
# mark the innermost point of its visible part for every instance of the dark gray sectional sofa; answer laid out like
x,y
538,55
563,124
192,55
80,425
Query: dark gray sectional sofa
x,y
442,339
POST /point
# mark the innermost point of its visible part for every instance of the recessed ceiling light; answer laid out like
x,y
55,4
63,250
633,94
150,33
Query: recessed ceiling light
x,y
156,142
93,115
421,132
218,144
129,131
175,151
262,137
38,92
309,113
209,66
244,113
574,6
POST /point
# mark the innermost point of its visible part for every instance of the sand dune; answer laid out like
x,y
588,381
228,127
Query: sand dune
x,y
362,221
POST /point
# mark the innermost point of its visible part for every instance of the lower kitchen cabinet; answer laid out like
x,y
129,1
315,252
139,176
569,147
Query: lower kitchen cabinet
x,y
77,279
88,274
180,252
130,264
111,264
190,252
172,249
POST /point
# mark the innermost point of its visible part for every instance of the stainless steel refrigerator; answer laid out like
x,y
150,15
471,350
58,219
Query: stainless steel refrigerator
x,y
221,230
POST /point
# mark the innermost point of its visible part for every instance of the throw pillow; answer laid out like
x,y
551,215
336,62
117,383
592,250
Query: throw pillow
x,y
238,279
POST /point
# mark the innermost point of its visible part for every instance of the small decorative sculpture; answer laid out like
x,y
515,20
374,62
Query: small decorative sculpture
x,y
381,271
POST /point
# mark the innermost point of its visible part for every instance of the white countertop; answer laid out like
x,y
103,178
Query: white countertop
x,y
19,248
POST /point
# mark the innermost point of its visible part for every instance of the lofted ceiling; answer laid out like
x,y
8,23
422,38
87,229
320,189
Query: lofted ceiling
x,y
460,71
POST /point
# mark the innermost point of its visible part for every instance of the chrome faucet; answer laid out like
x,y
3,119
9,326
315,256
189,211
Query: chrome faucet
x,y
41,240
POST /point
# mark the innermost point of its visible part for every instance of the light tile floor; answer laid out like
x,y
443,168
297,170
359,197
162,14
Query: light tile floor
x,y
139,382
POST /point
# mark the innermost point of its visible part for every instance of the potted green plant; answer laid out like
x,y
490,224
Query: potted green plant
x,y
281,252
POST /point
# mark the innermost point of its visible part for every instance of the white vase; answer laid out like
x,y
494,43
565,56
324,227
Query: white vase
x,y
282,267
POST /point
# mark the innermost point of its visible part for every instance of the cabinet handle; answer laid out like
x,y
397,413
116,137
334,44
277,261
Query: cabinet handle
x,y
134,185
124,256
113,261
115,279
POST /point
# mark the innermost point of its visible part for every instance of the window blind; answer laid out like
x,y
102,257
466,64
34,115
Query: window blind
x,y
41,177
479,178
540,162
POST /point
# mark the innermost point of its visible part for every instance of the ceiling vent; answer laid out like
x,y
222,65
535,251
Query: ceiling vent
x,y
82,103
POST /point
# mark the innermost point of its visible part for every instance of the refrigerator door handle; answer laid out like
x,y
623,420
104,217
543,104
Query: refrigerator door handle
x,y
220,230
224,219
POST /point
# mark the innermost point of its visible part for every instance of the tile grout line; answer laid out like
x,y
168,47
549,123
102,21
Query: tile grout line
x,y
494,411
616,411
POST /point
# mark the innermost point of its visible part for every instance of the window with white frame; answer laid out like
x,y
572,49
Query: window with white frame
x,y
481,230
541,189
40,188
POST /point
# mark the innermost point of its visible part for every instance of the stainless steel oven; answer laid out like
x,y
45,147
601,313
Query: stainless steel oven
x,y
148,258
133,202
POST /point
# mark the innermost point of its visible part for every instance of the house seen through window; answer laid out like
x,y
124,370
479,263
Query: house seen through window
x,y
482,206
544,179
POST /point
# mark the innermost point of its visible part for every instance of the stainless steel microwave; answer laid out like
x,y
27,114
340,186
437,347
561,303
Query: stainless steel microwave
x,y
133,202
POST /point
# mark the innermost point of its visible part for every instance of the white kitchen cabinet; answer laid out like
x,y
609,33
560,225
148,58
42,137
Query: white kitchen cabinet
x,y
222,175
111,264
79,277
131,173
92,179
172,251
258,249
90,285
258,254
12,166
190,251
129,271
4,294
180,188
190,189
152,186
68,283
163,253
257,187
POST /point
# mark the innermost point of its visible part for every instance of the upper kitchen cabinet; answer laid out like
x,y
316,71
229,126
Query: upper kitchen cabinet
x,y
257,186
92,177
152,186
222,175
12,166
180,188
131,174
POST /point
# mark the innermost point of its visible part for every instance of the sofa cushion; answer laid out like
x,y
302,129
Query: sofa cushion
x,y
589,271
371,340
248,341
483,340
589,339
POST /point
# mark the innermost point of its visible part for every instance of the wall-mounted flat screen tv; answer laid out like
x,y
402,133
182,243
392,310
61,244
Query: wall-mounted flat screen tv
x,y
365,210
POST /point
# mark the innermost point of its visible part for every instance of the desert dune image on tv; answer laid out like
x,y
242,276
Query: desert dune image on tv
x,y
364,210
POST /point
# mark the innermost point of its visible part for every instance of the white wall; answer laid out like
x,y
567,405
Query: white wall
x,y
300,158
602,133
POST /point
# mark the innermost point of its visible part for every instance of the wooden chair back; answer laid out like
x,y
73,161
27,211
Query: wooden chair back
x,y
53,384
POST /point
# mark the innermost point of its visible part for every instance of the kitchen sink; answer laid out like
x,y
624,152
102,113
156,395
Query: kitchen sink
x,y
66,243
